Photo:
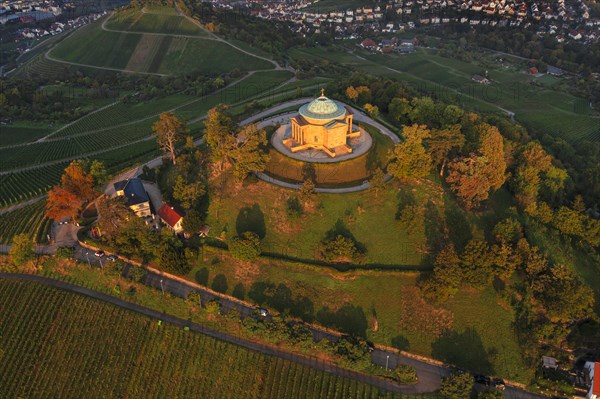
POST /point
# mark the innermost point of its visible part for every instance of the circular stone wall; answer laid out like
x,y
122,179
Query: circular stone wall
x,y
360,146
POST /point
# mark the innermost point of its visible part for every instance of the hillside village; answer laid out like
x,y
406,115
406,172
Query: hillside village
x,y
564,20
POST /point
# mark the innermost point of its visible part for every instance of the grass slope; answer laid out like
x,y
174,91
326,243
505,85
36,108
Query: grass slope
x,y
540,108
105,351
168,54
155,22
479,337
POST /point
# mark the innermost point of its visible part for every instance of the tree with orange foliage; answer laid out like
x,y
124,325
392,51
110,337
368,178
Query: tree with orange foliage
x,y
473,178
76,189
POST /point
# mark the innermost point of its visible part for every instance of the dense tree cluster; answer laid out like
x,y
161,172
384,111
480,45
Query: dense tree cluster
x,y
243,149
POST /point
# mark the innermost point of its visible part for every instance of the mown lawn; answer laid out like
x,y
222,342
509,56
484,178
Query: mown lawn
x,y
262,207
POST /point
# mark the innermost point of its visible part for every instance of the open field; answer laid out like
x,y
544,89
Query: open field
x,y
454,332
450,80
158,20
29,220
163,54
103,348
371,221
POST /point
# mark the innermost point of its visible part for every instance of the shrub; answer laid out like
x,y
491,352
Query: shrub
x,y
65,252
213,306
405,374
246,247
340,250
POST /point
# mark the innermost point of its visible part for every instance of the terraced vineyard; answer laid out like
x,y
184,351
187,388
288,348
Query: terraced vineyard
x,y
105,351
29,220
48,151
20,186
158,20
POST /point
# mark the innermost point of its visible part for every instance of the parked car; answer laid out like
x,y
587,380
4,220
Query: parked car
x,y
498,383
482,379
112,258
263,312
99,253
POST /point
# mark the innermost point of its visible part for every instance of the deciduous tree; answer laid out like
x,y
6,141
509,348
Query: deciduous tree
x,y
249,153
75,190
188,193
22,249
169,131
442,142
409,160
457,386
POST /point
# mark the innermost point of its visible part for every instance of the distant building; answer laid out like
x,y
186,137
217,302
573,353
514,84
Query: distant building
x,y
480,79
170,217
533,71
555,71
135,193
369,44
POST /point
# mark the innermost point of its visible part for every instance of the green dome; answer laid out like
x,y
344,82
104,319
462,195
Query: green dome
x,y
322,108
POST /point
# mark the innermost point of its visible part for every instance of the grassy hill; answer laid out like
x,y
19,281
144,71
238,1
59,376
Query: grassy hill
x,y
151,44
157,20
105,351
537,106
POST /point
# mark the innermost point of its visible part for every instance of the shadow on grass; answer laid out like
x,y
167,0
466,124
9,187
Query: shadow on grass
x,y
458,225
251,219
465,350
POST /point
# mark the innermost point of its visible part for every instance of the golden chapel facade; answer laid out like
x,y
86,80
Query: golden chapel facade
x,y
322,124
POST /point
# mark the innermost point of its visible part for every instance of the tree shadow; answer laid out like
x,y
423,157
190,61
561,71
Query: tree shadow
x,y
309,172
219,284
349,319
251,219
459,228
405,198
434,232
303,308
401,342
340,229
463,349
281,299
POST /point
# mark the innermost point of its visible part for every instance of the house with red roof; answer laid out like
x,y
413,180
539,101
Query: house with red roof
x,y
593,370
170,217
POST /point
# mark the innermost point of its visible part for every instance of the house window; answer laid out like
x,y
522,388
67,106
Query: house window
x,y
316,139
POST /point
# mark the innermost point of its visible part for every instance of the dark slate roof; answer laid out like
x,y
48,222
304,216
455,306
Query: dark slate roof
x,y
120,185
134,191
